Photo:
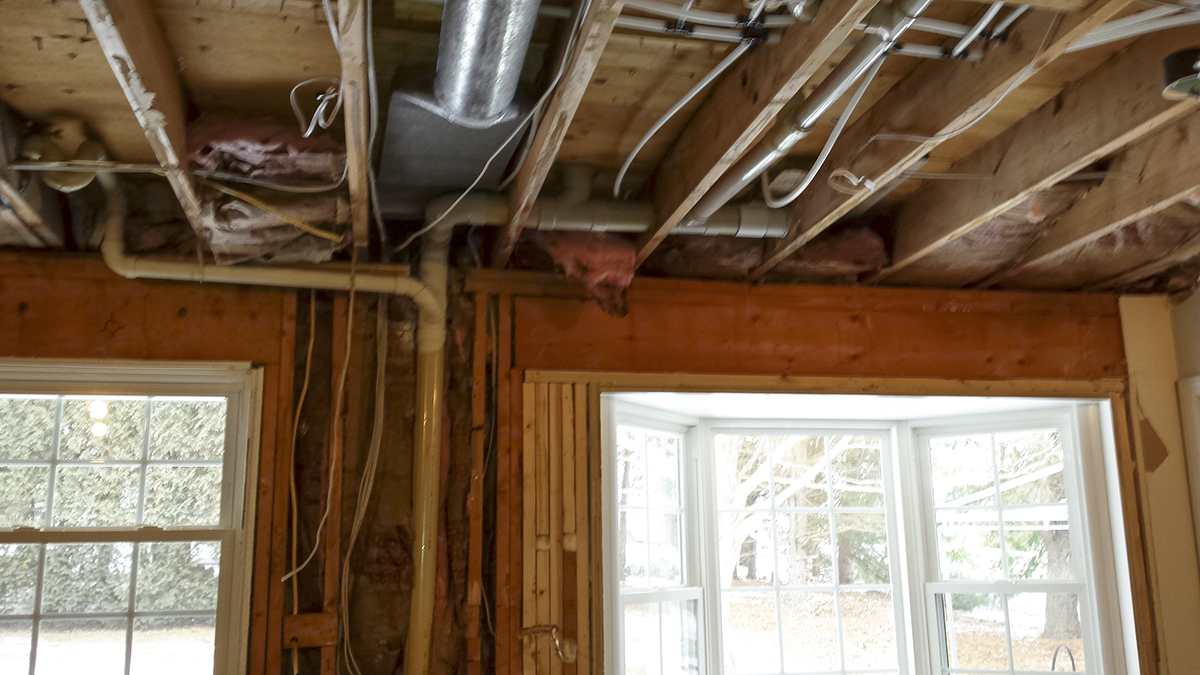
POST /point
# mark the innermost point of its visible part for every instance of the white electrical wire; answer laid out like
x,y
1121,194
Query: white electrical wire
x,y
780,202
367,483
329,102
857,180
729,60
575,30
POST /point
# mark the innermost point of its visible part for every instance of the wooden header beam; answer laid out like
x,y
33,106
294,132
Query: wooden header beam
x,y
937,98
581,63
740,107
1113,106
1148,177
145,68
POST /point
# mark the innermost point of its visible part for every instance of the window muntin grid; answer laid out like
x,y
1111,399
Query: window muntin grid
x,y
999,504
801,495
122,534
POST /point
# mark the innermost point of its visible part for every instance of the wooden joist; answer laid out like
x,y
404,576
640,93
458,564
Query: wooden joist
x,y
560,110
356,111
937,98
1188,250
1115,105
145,68
740,107
20,222
1146,178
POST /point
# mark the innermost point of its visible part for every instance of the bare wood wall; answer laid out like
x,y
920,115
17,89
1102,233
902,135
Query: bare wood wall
x,y
554,352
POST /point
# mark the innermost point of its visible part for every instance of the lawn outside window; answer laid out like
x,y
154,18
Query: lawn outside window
x,y
126,516
969,545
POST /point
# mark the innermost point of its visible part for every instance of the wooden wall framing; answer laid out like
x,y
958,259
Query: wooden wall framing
x,y
550,382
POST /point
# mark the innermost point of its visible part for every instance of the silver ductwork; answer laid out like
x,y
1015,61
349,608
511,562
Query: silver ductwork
x,y
482,49
442,130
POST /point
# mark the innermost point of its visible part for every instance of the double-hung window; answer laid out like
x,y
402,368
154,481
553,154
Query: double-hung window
x,y
948,546
125,518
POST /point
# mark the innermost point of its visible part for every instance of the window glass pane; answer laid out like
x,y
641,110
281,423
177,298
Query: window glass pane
x,y
1030,465
747,553
743,469
16,641
750,634
96,496
800,472
182,430
680,637
179,646
631,466
98,428
666,549
962,472
662,451
86,578
183,495
810,632
862,548
23,495
857,468
26,427
18,577
71,647
1038,549
975,632
643,643
805,548
1040,623
634,540
868,625
969,544
178,576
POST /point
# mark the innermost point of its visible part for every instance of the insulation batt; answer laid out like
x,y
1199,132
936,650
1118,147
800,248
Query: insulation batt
x,y
265,149
602,262
238,231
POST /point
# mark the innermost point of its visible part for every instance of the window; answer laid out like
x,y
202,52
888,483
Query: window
x,y
124,518
947,546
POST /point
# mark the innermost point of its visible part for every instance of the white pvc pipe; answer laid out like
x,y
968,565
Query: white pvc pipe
x,y
977,28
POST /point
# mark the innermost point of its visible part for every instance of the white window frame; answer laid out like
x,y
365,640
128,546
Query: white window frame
x,y
242,385
1096,525
709,427
615,413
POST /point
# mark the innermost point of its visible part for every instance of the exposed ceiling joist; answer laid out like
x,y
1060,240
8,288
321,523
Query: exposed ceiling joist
x,y
20,222
356,109
1186,251
1115,105
560,110
1149,176
740,107
1053,5
144,67
936,99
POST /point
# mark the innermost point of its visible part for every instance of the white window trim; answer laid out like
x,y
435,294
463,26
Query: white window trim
x,y
1090,467
242,385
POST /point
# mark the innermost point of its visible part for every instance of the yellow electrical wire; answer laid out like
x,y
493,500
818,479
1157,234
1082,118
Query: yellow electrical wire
x,y
258,203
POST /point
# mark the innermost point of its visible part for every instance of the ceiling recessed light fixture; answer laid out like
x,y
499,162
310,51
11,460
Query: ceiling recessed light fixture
x,y
1181,73
97,410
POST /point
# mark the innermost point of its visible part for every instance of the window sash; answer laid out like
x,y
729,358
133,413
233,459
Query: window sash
x,y
240,384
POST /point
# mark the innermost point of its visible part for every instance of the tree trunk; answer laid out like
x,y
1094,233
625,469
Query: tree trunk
x,y
1062,609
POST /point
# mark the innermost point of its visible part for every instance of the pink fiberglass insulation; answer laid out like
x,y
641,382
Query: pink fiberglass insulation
x,y
265,149
1132,246
603,263
840,256
994,244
